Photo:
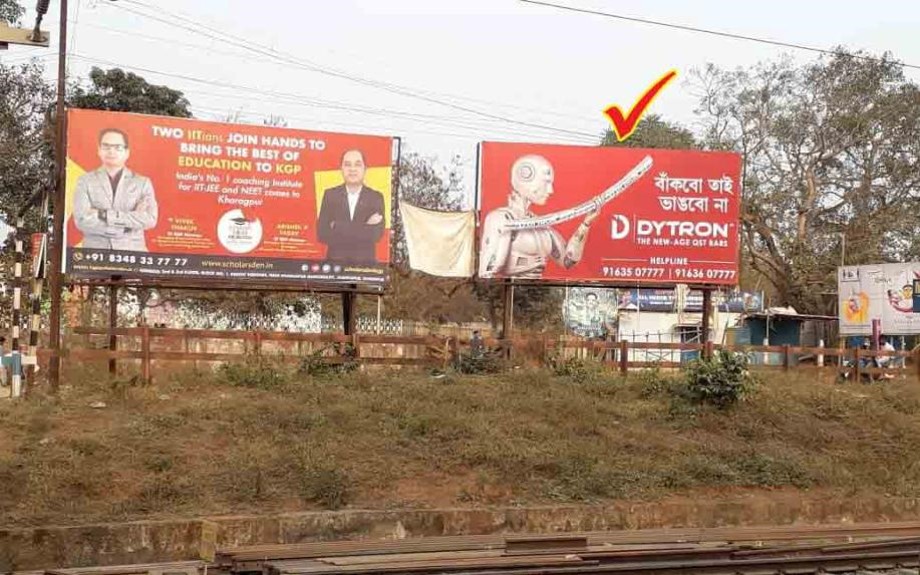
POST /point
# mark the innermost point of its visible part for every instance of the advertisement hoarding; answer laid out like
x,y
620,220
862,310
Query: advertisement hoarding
x,y
878,292
162,197
618,215
665,300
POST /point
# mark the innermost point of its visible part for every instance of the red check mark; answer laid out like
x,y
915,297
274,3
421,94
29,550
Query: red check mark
x,y
623,127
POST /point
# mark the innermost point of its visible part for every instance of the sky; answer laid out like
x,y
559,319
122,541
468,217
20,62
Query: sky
x,y
456,72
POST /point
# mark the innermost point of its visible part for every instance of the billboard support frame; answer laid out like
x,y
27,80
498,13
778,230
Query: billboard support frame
x,y
507,309
704,324
477,229
113,325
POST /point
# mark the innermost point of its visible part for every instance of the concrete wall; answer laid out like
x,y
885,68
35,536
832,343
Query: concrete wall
x,y
156,541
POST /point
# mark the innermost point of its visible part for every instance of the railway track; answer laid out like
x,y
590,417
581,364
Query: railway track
x,y
865,549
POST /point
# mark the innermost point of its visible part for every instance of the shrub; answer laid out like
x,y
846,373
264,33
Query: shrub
x,y
489,362
257,374
318,365
578,369
655,383
721,381
321,480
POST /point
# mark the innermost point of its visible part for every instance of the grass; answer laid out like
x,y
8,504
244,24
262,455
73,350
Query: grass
x,y
264,439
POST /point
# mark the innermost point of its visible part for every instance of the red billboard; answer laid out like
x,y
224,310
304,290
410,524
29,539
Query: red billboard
x,y
163,197
618,215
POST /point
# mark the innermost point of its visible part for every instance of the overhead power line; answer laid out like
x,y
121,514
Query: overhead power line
x,y
202,29
709,32
299,97
296,100
253,58
219,115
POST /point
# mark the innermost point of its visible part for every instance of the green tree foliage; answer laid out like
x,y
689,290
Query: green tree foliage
x,y
653,132
25,140
120,91
11,12
831,148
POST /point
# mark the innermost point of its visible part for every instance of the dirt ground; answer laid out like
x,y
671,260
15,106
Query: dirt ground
x,y
261,439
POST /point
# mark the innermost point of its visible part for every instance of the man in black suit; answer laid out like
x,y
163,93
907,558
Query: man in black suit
x,y
351,217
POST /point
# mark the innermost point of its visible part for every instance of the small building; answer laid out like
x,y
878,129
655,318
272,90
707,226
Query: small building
x,y
784,326
668,316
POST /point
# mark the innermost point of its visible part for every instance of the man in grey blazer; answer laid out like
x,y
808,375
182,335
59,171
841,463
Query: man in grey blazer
x,y
112,205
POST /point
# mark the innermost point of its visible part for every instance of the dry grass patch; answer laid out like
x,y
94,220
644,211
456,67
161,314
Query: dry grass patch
x,y
264,438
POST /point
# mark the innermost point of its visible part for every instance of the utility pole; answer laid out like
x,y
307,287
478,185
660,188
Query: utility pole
x,y
55,275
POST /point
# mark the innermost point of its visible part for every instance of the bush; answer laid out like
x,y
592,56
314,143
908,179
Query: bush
x,y
485,363
321,479
578,369
721,381
258,374
318,365
654,383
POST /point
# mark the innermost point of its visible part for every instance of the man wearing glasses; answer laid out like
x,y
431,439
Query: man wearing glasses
x,y
112,205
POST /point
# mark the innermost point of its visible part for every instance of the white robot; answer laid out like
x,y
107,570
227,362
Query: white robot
x,y
516,243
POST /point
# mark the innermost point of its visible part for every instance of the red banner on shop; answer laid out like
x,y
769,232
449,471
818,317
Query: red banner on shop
x,y
618,215
151,196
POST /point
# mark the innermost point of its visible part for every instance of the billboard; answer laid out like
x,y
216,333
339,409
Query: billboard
x,y
618,215
590,311
884,292
161,197
665,300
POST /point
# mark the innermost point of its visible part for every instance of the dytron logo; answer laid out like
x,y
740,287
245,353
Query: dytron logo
x,y
620,228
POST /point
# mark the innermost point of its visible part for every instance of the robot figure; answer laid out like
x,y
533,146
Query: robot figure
x,y
523,253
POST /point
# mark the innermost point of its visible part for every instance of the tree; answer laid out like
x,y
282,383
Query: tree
x,y
414,295
422,183
25,141
653,132
120,91
831,149
11,12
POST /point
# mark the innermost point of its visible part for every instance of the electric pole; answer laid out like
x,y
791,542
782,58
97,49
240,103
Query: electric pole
x,y
55,275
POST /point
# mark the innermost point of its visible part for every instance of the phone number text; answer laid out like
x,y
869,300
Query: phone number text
x,y
637,272
98,257
703,274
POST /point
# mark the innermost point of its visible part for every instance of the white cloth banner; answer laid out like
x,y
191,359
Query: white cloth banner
x,y
439,243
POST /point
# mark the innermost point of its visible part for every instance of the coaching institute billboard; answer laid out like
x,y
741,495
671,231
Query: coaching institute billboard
x,y
161,197
882,292
620,215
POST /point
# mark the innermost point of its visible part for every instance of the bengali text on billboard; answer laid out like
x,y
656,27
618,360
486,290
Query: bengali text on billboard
x,y
618,215
162,197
